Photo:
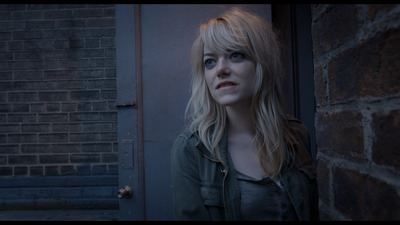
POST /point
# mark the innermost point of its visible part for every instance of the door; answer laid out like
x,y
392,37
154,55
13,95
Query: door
x,y
153,78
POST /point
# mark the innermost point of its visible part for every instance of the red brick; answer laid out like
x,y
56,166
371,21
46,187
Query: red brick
x,y
319,87
369,69
22,160
323,181
340,134
334,27
53,159
374,9
343,75
387,78
6,171
386,145
362,197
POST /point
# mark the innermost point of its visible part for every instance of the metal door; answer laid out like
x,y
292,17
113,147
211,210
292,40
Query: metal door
x,y
153,78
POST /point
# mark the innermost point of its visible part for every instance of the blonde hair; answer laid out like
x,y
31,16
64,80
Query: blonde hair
x,y
239,30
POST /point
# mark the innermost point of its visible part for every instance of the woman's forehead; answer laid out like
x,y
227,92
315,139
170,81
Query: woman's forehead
x,y
208,51
221,47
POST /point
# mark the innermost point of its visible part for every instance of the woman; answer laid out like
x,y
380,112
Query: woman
x,y
242,158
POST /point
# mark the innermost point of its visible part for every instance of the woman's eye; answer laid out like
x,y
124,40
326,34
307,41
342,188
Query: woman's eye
x,y
208,63
237,56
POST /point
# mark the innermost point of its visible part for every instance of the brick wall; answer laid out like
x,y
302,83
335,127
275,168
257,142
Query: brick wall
x,y
357,92
57,102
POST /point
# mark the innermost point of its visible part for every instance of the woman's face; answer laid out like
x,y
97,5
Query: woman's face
x,y
230,77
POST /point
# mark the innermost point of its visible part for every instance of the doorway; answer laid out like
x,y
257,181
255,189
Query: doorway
x,y
153,78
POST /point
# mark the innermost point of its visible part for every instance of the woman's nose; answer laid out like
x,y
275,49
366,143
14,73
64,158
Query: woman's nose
x,y
222,67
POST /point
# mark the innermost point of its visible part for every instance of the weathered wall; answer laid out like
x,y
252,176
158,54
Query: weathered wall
x,y
357,92
58,122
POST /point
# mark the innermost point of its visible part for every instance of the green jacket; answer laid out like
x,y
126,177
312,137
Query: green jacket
x,y
204,190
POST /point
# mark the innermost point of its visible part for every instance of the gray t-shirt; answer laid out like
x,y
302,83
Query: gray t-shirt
x,y
264,199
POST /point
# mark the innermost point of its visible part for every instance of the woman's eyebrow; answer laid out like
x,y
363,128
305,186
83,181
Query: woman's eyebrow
x,y
208,54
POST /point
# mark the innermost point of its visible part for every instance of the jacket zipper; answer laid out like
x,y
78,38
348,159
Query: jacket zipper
x,y
225,172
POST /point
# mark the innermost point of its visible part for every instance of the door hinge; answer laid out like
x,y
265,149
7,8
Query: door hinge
x,y
126,104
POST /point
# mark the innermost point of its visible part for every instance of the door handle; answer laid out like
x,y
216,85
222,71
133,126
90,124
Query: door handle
x,y
125,192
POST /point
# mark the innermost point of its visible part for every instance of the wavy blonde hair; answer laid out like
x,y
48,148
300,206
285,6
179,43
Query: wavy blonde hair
x,y
239,30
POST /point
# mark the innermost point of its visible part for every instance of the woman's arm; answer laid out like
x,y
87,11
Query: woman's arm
x,y
187,200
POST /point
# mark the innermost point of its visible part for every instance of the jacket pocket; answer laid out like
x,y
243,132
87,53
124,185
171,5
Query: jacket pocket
x,y
212,196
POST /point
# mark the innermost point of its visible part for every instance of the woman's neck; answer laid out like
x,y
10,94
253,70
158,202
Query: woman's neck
x,y
239,119
241,146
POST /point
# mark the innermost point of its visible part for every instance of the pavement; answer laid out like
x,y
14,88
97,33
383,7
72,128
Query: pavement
x,y
59,215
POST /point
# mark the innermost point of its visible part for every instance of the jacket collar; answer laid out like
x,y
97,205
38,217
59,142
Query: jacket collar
x,y
223,146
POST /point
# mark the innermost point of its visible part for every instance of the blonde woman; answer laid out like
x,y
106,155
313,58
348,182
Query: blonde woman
x,y
242,158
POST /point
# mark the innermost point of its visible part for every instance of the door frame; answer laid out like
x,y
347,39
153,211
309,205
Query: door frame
x,y
130,110
294,23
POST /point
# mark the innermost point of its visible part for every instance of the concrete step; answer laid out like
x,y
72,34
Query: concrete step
x,y
59,215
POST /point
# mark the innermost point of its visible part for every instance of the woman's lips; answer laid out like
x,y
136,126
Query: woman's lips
x,y
225,84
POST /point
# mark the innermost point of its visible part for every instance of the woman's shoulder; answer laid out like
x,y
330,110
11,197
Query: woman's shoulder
x,y
295,123
187,134
304,161
184,151
186,138
299,130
